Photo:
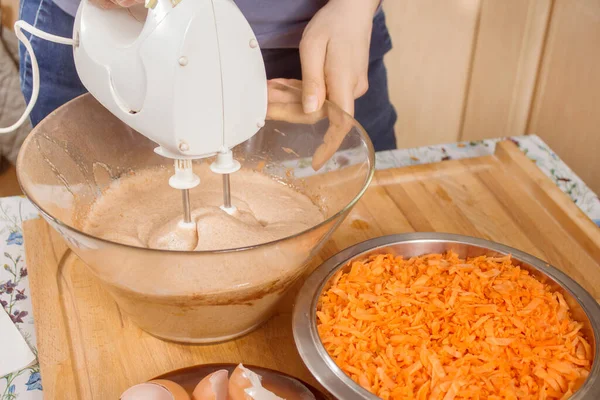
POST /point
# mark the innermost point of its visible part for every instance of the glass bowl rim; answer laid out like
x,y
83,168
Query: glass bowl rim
x,y
363,134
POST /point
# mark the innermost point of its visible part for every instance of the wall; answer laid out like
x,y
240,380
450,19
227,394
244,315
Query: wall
x,y
474,69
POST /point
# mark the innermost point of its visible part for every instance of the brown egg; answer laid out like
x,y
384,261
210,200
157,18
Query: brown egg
x,y
159,389
212,387
246,385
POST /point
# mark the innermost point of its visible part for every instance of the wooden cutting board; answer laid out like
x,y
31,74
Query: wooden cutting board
x,y
88,350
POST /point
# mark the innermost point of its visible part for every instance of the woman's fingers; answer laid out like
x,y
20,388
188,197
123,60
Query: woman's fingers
x,y
294,113
340,124
295,83
334,53
313,49
285,104
278,91
362,85
341,89
341,93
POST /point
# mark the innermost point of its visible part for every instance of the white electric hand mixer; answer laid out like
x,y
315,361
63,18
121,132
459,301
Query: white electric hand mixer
x,y
187,74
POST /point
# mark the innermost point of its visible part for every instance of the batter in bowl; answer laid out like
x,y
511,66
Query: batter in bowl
x,y
204,296
143,210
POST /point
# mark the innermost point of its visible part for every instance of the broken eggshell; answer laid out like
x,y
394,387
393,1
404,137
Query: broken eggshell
x,y
212,387
246,385
159,389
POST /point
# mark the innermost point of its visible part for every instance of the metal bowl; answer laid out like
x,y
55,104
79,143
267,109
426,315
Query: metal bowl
x,y
583,306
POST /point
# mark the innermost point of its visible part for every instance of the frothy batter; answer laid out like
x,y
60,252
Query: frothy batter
x,y
143,210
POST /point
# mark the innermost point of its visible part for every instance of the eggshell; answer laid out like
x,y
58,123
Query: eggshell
x,y
146,391
246,385
176,391
237,383
212,387
155,390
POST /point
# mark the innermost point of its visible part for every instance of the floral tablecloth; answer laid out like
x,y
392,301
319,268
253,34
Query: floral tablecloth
x,y
14,294
14,285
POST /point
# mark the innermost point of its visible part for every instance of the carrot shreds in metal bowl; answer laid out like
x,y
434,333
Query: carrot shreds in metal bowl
x,y
441,327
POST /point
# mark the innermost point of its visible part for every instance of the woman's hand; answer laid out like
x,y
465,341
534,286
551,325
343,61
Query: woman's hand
x,y
334,54
285,104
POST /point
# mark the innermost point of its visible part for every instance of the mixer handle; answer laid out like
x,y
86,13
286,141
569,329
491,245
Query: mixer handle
x,y
21,26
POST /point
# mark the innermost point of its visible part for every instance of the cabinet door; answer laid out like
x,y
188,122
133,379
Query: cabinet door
x,y
566,108
463,69
428,68
506,58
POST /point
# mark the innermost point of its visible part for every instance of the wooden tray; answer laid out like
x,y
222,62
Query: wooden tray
x,y
88,350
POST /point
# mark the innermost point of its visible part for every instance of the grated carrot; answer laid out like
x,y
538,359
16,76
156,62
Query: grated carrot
x,y
440,327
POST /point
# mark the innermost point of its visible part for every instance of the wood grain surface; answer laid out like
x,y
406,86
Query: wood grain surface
x,y
89,350
506,58
429,67
9,186
565,108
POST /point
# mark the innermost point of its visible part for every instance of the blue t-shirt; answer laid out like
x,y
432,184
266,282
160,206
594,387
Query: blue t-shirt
x,y
276,23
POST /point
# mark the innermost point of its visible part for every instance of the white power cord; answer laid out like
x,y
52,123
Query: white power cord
x,y
21,26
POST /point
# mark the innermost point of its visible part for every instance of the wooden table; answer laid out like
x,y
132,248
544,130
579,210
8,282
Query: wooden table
x,y
88,349
8,183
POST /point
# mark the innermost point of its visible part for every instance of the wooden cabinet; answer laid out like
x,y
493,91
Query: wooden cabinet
x,y
475,69
429,66
566,107
10,12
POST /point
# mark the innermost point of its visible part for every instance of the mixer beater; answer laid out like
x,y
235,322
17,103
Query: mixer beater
x,y
187,74
226,165
184,180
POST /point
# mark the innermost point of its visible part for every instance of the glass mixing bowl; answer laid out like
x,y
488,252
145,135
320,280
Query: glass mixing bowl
x,y
71,158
